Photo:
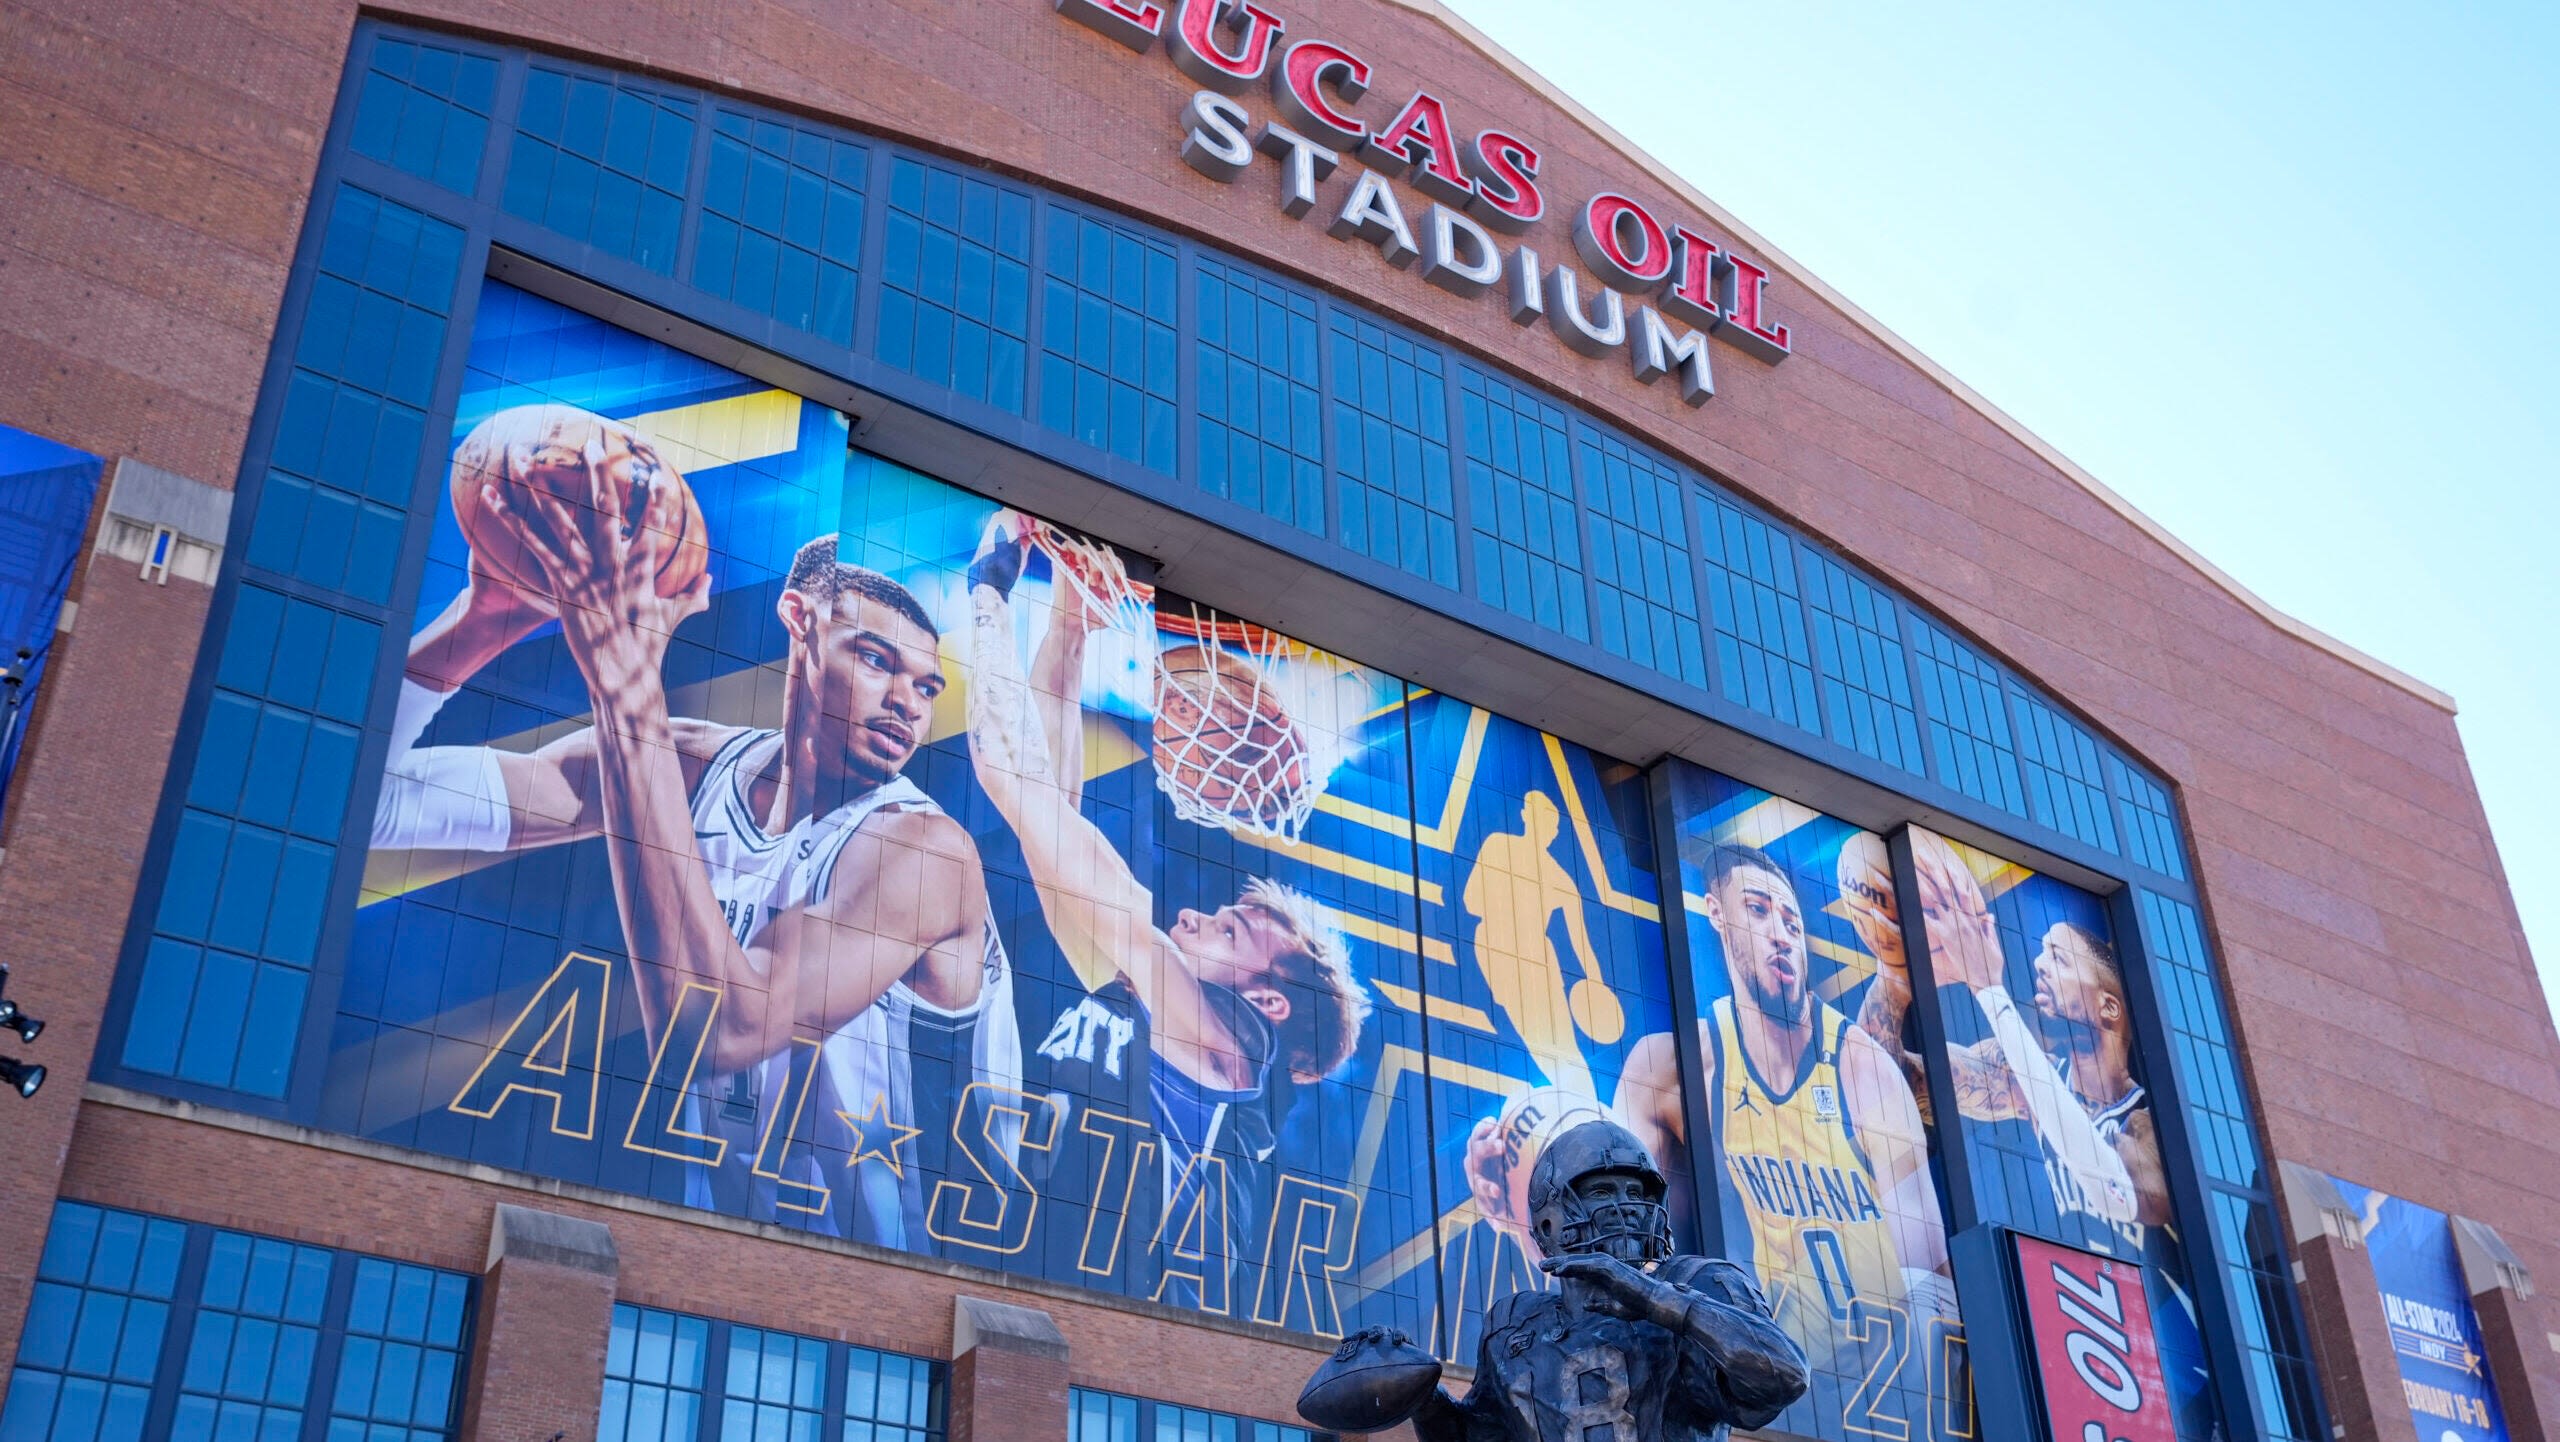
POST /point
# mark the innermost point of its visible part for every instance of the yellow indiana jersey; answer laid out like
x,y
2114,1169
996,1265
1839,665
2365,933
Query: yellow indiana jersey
x,y
1819,1236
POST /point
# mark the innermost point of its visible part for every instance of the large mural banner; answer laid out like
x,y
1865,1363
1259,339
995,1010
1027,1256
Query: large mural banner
x,y
773,829
2054,1114
1816,1131
2435,1333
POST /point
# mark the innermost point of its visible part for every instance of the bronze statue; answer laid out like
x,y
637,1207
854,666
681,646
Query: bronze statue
x,y
1638,1345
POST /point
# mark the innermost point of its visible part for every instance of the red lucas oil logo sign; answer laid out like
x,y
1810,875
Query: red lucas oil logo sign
x,y
1656,289
2095,1354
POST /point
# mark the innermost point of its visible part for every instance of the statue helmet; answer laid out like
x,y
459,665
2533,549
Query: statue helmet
x,y
1636,1231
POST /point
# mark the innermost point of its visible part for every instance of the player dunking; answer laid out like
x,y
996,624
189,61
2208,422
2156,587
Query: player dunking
x,y
1202,1008
797,870
1819,1135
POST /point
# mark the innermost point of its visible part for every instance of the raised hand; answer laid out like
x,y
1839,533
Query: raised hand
x,y
599,564
1487,1170
1604,1284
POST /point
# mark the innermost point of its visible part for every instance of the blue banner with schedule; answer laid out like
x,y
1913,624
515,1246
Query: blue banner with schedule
x,y
2435,1335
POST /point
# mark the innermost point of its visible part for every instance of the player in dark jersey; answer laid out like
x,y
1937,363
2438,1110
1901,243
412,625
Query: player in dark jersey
x,y
1203,1007
2080,995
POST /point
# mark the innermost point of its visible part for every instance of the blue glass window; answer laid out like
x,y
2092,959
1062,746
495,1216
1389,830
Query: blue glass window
x,y
257,1334
2150,821
1391,450
2217,1109
1968,719
1645,585
2066,788
96,1323
262,1331
1764,659
1261,432
890,1398
1094,1416
400,1374
344,459
603,162
1866,678
955,299
772,1386
776,1387
424,109
1107,347
237,929
238,926
653,1371
1520,504
2271,1343
782,222
1100,1416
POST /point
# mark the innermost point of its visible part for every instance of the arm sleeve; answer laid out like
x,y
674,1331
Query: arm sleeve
x,y
440,798
2058,1116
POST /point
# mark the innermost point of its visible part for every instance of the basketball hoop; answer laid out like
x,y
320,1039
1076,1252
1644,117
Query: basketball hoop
x,y
1229,752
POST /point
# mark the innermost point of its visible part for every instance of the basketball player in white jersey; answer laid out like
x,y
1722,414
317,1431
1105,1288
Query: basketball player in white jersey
x,y
797,871
2086,1172
2080,994
1205,1007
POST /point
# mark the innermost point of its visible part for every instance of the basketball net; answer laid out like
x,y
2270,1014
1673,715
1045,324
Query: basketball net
x,y
1265,785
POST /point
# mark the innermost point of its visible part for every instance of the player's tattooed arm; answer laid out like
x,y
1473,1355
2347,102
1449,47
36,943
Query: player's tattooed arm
x,y
1881,1105
1986,1087
1880,1015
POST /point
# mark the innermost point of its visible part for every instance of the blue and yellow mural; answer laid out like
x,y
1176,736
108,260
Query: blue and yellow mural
x,y
773,829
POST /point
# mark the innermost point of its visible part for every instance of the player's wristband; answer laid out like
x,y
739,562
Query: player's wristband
x,y
410,714
1000,567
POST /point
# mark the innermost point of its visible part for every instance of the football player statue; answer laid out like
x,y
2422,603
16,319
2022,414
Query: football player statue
x,y
1638,1345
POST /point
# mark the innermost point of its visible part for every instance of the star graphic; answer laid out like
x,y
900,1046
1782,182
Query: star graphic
x,y
898,1136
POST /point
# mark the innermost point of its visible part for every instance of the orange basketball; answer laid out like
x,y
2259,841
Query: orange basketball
x,y
544,447
1222,737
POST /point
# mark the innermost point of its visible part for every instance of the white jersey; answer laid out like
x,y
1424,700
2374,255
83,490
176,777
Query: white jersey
x,y
860,1135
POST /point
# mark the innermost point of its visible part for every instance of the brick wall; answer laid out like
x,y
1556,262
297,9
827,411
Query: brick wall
x,y
2396,1031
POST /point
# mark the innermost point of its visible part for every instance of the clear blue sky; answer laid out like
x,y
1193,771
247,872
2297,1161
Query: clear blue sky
x,y
2284,275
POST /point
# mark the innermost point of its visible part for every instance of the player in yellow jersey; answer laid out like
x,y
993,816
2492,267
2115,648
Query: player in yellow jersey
x,y
1822,1147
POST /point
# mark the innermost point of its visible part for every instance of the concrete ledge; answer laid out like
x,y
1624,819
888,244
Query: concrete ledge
x,y
2488,1263
1001,1326
522,1234
145,499
2315,1208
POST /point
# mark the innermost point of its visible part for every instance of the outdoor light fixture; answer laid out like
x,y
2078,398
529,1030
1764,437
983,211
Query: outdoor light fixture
x,y
12,1015
25,1077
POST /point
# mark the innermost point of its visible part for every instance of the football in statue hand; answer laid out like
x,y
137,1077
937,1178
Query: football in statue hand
x,y
1376,1379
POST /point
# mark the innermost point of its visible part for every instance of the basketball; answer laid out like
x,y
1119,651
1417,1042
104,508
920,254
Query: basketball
x,y
1374,1380
1528,1123
1222,736
1596,1010
544,447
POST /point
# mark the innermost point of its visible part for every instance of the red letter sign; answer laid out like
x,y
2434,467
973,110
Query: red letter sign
x,y
1298,87
1197,52
2095,1353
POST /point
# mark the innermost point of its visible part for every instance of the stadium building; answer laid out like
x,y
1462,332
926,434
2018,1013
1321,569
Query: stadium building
x,y
919,721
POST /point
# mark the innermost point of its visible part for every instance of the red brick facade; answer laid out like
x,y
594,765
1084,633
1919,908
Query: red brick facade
x,y
159,172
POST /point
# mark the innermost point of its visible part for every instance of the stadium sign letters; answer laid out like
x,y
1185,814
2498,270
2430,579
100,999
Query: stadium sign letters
x,y
1661,288
2095,1351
